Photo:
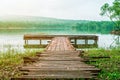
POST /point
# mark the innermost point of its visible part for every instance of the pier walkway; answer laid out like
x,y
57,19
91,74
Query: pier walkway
x,y
60,60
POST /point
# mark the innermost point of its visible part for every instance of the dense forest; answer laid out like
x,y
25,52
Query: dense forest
x,y
95,26
51,23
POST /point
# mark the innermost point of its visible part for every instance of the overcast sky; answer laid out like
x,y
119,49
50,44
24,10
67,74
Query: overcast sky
x,y
64,9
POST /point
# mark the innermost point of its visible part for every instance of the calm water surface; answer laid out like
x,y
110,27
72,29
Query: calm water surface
x,y
14,38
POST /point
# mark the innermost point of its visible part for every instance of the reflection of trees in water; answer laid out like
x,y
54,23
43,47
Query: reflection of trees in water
x,y
103,27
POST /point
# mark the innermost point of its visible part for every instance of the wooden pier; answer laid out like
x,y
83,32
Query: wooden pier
x,y
78,41
60,60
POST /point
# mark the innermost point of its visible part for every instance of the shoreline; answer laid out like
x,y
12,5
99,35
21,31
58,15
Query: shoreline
x,y
12,60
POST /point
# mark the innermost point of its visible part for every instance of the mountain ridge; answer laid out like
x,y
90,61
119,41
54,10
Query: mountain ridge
x,y
33,18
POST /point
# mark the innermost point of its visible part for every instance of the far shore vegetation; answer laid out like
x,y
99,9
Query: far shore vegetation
x,y
48,23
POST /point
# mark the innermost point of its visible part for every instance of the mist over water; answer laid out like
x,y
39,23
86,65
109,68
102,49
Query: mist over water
x,y
13,38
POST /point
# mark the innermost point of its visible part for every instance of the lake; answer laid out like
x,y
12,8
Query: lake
x,y
13,38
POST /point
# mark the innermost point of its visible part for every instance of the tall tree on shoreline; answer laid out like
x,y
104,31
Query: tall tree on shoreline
x,y
113,12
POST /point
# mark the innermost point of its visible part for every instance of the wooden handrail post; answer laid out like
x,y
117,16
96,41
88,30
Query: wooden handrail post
x,y
25,42
86,41
40,42
96,42
75,41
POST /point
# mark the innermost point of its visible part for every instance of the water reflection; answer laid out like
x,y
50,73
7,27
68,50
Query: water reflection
x,y
14,37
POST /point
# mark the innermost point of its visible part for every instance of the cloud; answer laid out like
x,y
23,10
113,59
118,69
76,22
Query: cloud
x,y
71,9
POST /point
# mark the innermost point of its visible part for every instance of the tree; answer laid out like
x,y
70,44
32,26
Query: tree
x,y
113,12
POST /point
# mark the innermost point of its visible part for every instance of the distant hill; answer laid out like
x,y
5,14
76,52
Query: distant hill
x,y
34,18
30,22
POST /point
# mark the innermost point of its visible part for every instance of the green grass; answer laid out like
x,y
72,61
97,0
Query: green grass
x,y
10,60
110,67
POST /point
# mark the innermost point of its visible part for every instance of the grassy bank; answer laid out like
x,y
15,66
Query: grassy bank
x,y
110,66
10,60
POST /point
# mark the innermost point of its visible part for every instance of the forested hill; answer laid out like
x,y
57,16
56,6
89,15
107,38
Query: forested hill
x,y
53,23
36,22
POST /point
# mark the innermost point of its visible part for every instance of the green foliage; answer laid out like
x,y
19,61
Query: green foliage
x,y
113,12
110,67
10,60
95,26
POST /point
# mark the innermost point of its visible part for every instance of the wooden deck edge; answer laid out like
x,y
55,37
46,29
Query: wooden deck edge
x,y
22,78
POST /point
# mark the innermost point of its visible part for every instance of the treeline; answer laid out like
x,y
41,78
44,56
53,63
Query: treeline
x,y
37,23
95,26
76,25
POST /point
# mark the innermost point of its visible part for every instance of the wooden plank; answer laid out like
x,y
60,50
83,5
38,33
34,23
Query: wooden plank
x,y
30,36
58,69
53,78
58,55
61,74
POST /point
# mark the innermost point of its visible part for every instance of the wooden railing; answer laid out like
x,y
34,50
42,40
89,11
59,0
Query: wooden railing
x,y
78,41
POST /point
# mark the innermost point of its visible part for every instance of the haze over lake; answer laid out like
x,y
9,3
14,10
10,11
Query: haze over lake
x,y
71,17
14,38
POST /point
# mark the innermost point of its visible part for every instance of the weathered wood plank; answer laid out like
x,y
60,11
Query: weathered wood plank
x,y
57,44
30,36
